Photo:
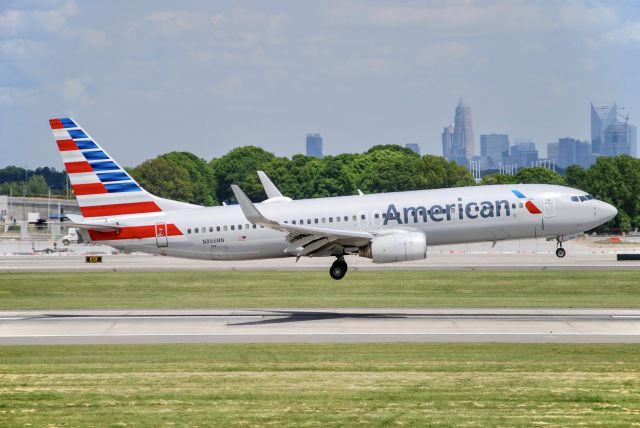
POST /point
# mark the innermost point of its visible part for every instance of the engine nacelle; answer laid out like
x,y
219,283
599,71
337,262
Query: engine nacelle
x,y
397,247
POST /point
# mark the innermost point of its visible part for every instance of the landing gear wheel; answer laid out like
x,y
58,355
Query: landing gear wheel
x,y
560,252
338,269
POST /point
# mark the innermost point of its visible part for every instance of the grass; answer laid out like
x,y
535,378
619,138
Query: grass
x,y
315,289
320,385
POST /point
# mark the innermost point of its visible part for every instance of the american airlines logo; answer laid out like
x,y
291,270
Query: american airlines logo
x,y
471,210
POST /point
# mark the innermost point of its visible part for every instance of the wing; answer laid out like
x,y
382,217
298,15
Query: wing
x,y
305,241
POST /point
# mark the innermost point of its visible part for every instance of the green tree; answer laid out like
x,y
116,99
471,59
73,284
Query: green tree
x,y
498,179
239,167
166,179
538,176
36,186
200,175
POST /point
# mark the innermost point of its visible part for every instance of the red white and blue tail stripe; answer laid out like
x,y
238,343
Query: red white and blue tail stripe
x,y
101,186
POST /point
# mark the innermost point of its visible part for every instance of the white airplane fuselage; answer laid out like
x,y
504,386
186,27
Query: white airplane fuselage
x,y
445,216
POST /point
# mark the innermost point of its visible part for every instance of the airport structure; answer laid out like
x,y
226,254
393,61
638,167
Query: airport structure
x,y
314,145
17,209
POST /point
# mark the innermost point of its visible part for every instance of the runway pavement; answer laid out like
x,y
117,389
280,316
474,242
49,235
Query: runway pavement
x,y
320,325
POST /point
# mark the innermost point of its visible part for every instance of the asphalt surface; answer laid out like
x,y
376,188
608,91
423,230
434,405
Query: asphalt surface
x,y
320,325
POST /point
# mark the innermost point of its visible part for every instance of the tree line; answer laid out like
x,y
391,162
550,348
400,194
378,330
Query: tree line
x,y
186,177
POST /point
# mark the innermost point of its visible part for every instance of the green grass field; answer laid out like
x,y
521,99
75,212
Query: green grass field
x,y
320,385
316,289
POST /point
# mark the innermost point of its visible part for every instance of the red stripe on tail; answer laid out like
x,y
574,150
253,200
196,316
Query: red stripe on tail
x,y
120,209
73,167
89,189
66,145
56,124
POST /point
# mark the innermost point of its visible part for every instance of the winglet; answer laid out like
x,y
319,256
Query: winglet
x,y
269,188
248,209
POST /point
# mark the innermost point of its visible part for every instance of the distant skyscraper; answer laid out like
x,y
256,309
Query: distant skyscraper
x,y
602,116
633,141
447,142
414,147
314,145
553,152
463,132
575,152
457,140
616,140
524,154
494,150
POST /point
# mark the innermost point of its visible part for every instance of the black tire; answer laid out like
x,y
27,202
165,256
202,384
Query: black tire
x,y
66,242
338,270
560,252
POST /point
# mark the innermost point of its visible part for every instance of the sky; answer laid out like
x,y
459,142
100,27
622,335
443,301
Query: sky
x,y
150,77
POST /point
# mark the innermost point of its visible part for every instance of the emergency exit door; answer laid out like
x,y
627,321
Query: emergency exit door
x,y
161,235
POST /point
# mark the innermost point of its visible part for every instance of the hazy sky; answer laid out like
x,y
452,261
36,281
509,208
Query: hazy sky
x,y
148,77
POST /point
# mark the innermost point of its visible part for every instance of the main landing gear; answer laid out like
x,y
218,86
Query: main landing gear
x,y
338,269
560,252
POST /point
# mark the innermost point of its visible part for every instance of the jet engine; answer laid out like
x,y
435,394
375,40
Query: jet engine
x,y
397,247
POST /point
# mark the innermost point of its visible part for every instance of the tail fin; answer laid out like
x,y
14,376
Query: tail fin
x,y
101,186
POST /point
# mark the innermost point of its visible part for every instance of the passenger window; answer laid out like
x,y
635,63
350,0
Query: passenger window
x,y
217,228
362,216
323,220
330,219
285,222
239,227
196,230
246,226
189,231
521,205
226,228
376,215
338,219
210,228
513,206
233,227
293,222
254,226
355,217
315,220
346,218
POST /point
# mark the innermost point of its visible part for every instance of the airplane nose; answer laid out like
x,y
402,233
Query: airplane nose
x,y
608,211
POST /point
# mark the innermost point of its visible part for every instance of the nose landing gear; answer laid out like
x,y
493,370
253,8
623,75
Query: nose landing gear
x,y
338,269
560,252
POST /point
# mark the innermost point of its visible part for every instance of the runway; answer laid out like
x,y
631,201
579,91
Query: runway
x,y
320,325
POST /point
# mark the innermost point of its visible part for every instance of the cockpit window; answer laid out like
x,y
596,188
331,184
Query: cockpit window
x,y
575,199
589,197
583,198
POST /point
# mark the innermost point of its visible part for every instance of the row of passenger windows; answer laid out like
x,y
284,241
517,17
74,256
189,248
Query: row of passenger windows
x,y
322,220
582,198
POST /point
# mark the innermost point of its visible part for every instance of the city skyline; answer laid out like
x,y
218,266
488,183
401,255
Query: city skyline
x,y
156,76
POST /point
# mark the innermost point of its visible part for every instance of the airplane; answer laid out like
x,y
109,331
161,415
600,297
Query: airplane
x,y
385,227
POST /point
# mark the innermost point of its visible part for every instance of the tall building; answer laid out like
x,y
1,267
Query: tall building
x,y
447,142
461,148
633,141
616,140
314,145
553,152
524,154
494,150
602,116
567,150
414,147
463,131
